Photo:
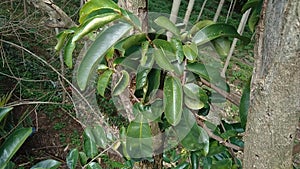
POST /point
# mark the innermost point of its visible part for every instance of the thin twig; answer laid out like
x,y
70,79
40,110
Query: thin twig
x,y
232,97
212,135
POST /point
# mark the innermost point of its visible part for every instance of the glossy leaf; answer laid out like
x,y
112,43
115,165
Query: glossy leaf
x,y
167,24
178,49
250,4
139,140
133,40
89,26
95,53
4,111
194,160
253,19
229,133
205,110
89,145
122,84
173,99
164,45
217,30
61,37
192,136
153,82
97,135
194,91
162,60
103,81
193,103
83,158
245,103
190,51
47,164
12,143
222,46
93,165
184,165
143,70
72,158
200,25
199,69
123,142
94,5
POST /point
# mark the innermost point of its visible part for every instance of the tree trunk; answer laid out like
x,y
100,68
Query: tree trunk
x,y
174,10
201,11
218,12
188,13
274,110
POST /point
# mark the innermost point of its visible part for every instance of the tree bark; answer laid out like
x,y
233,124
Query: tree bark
x,y
174,11
218,12
188,13
274,109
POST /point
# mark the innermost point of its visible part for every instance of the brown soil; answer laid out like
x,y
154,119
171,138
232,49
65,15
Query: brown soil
x,y
48,141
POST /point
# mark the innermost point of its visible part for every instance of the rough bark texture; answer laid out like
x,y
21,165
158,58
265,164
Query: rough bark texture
x,y
58,18
274,110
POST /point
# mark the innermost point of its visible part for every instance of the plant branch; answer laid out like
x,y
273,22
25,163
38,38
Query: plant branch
x,y
218,138
232,97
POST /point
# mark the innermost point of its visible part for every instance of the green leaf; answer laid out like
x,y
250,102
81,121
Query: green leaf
x,y
207,162
94,5
251,4
93,165
194,160
205,110
173,99
168,25
153,82
178,49
196,92
164,45
199,69
72,158
122,83
217,30
200,25
245,104
139,140
83,158
89,26
12,143
184,165
253,19
162,60
47,164
190,51
95,53
89,145
61,37
97,135
4,111
222,45
103,81
123,142
223,164
193,103
132,40
143,70
192,136
215,148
